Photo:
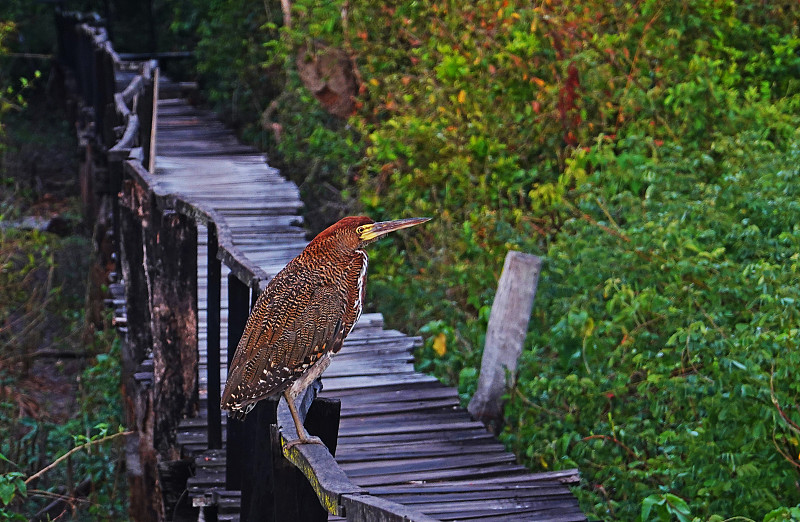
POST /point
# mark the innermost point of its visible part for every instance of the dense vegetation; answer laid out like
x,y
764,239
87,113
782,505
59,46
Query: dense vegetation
x,y
649,152
59,375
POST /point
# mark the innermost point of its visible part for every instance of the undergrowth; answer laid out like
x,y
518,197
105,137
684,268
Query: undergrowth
x,y
648,151
59,378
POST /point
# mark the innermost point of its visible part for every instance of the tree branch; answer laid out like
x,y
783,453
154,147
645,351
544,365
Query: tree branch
x,y
74,450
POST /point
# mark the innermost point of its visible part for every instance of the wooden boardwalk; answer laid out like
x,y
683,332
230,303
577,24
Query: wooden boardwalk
x,y
402,436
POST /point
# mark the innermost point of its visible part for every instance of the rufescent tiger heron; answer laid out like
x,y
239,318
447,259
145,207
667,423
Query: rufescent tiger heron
x,y
305,312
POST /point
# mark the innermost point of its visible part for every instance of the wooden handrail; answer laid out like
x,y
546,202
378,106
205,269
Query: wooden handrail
x,y
247,271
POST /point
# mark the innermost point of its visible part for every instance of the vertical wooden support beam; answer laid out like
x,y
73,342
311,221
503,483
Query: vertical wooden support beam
x,y
115,190
133,201
171,257
97,101
505,335
144,110
213,299
295,499
141,458
238,311
257,477
108,86
322,420
151,150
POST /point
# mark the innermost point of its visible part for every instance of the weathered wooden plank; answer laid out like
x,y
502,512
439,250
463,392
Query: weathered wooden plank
x,y
489,486
433,475
416,428
375,381
391,390
428,391
410,465
363,368
378,409
433,448
364,508
425,495
563,511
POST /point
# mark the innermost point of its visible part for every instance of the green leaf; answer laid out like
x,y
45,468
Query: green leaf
x,y
648,503
7,491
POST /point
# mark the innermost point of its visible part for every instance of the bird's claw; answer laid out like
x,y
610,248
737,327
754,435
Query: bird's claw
x,y
310,439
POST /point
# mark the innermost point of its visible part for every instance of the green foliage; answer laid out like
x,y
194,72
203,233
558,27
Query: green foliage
x,y
99,416
12,485
648,151
41,300
665,320
664,507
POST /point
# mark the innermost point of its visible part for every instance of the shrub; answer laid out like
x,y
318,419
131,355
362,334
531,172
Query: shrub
x,y
649,152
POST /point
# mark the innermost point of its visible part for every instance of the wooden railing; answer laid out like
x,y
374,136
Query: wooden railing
x,y
156,233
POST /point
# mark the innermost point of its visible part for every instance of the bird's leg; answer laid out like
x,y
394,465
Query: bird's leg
x,y
302,436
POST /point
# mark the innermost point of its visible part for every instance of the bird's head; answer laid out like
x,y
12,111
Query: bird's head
x,y
354,232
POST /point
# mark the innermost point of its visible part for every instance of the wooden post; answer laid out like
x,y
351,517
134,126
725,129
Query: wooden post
x,y
238,311
213,298
144,110
257,479
141,458
171,257
151,150
505,335
295,499
132,200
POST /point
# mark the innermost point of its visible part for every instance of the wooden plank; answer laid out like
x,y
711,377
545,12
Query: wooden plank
x,y
433,475
364,508
389,390
464,487
429,391
557,511
392,466
394,438
425,496
416,428
411,451
366,383
398,407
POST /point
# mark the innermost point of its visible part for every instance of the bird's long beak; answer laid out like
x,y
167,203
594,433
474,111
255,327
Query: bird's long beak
x,y
382,228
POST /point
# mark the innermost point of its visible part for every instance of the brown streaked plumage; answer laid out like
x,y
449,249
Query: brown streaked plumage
x,y
307,310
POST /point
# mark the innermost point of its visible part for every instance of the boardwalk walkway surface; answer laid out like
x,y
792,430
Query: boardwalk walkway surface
x,y
402,435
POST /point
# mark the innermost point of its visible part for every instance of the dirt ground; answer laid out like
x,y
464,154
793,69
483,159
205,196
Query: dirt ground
x,y
39,189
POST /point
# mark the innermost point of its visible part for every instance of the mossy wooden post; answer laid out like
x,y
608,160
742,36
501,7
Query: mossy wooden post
x,y
171,259
295,498
505,335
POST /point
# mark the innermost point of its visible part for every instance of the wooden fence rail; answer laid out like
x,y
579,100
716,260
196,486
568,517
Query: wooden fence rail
x,y
156,231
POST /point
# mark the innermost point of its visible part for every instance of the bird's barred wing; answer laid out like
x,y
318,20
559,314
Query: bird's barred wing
x,y
282,339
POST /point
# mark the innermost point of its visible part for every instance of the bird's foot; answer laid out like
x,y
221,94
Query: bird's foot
x,y
304,439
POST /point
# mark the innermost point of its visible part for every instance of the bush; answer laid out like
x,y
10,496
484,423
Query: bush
x,y
648,151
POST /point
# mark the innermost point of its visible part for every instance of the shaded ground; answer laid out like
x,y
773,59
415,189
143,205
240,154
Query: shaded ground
x,y
44,274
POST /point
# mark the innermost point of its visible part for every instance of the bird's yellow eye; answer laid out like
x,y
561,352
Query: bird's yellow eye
x,y
360,230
